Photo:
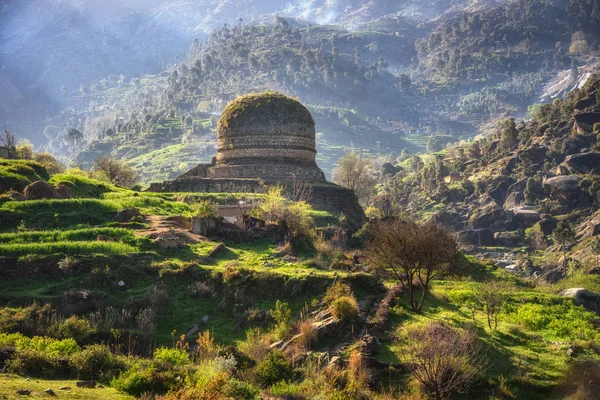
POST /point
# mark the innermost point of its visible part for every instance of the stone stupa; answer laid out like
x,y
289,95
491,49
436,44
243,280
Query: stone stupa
x,y
268,139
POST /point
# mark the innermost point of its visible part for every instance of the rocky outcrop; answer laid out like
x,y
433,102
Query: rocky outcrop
x,y
509,239
590,227
553,276
582,163
548,224
563,188
500,189
586,120
487,216
526,216
582,297
477,237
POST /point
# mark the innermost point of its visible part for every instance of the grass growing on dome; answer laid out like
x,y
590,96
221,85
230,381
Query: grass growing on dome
x,y
272,107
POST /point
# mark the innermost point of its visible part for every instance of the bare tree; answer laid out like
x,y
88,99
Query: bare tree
x,y
442,359
492,296
9,141
299,190
412,253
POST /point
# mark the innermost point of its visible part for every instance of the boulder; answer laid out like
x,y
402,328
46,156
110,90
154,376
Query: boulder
x,y
446,217
565,189
534,154
582,163
127,215
586,120
39,190
553,276
582,297
500,189
509,239
86,384
63,192
526,216
487,216
589,101
477,237
548,224
514,199
569,183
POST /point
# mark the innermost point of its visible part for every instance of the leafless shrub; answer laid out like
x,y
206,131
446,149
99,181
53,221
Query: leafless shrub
x,y
443,360
412,254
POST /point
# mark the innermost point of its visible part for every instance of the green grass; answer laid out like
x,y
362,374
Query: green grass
x,y
48,214
88,234
82,186
65,247
9,384
16,174
523,349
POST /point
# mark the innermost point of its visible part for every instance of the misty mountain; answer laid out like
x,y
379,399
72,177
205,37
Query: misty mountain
x,y
142,77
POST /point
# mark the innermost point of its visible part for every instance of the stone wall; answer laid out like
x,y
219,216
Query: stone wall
x,y
325,196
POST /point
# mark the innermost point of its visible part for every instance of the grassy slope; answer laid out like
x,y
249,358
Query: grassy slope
x,y
9,384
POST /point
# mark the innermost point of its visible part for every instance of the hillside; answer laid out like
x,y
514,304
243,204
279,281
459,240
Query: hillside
x,y
110,284
382,86
505,194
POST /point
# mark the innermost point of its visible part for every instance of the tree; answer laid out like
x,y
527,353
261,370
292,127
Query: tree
x,y
74,137
492,296
564,236
509,134
9,141
411,253
25,150
52,165
115,171
356,173
403,82
442,359
294,217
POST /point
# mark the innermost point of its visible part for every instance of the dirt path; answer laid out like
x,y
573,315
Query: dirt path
x,y
170,231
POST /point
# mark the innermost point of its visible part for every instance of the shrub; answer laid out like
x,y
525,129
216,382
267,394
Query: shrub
x,y
274,368
174,357
241,390
443,360
96,361
282,315
307,332
137,381
37,363
337,290
114,171
344,309
73,327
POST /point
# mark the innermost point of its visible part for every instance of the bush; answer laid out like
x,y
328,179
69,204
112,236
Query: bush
x,y
114,171
344,309
241,390
339,289
282,314
274,368
38,363
73,327
138,381
174,357
96,361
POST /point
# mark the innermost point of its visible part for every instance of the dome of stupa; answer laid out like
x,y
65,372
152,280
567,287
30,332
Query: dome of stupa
x,y
266,128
